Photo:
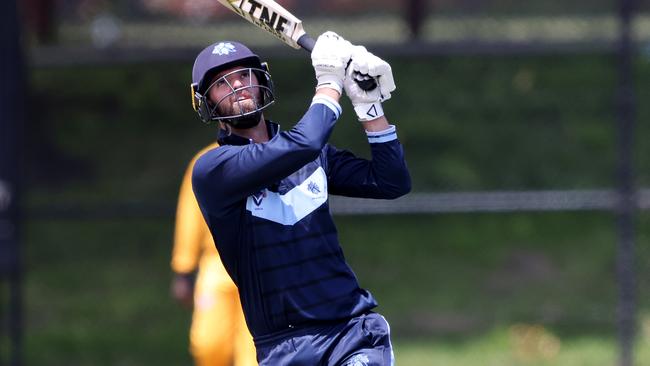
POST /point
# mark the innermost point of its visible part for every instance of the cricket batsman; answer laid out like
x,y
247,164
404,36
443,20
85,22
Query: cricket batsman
x,y
264,195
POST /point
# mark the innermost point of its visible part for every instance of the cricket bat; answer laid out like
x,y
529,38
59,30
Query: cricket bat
x,y
278,21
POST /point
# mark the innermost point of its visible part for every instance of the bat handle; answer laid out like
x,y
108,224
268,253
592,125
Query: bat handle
x,y
306,42
365,82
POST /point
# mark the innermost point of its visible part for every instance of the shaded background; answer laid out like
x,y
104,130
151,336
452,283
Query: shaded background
x,y
523,243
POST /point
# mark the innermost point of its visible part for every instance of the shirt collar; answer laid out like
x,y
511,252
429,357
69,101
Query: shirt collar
x,y
226,138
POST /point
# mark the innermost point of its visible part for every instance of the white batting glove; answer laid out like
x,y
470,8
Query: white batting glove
x,y
367,103
329,57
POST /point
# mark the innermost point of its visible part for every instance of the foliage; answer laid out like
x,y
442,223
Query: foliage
x,y
467,123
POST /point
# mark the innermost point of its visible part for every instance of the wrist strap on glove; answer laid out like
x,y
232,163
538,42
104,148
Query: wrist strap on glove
x,y
368,111
328,81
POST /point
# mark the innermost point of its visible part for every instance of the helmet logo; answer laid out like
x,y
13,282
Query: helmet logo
x,y
223,49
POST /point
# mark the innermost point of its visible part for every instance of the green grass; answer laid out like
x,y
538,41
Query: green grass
x,y
453,287
97,294
498,349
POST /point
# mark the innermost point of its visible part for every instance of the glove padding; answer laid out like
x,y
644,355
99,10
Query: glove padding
x,y
367,103
329,57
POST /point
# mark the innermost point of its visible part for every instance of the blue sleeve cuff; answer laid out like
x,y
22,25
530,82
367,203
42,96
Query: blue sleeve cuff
x,y
386,135
329,103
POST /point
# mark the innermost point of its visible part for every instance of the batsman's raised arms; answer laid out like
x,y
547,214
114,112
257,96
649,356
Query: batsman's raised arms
x,y
273,18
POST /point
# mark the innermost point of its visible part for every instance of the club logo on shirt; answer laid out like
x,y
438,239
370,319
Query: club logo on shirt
x,y
358,360
258,197
313,188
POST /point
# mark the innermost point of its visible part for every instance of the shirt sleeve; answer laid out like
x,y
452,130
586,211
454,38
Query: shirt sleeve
x,y
385,176
228,174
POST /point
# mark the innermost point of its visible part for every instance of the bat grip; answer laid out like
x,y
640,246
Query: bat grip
x,y
306,42
366,82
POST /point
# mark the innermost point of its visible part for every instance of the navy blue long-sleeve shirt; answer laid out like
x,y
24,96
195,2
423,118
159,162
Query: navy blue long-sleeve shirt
x,y
266,205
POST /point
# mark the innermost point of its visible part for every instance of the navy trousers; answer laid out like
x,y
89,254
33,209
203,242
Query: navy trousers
x,y
360,341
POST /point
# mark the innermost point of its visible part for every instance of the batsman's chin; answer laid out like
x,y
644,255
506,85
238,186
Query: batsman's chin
x,y
244,106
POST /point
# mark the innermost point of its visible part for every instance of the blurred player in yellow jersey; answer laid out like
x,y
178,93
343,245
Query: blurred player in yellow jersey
x,y
218,335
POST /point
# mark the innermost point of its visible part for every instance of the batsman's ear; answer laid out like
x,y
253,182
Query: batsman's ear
x,y
196,100
265,77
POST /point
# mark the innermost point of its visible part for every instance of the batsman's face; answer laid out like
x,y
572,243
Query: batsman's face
x,y
235,91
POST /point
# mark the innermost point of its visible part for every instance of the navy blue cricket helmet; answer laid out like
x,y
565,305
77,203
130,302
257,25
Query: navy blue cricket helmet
x,y
222,56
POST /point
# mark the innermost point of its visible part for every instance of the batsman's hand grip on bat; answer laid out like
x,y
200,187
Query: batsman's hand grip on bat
x,y
364,81
330,57
367,103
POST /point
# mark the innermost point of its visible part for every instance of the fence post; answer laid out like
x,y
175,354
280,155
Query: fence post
x,y
40,18
11,123
626,213
415,15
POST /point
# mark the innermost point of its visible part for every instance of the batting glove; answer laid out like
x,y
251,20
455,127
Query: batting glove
x,y
367,103
329,57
